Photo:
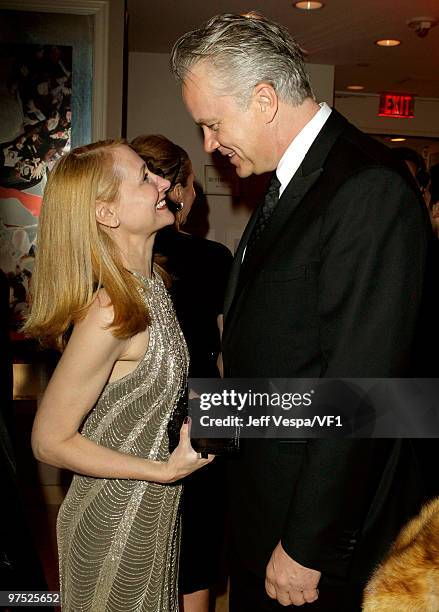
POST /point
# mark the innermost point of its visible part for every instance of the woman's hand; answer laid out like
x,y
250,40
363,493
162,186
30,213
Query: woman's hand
x,y
184,460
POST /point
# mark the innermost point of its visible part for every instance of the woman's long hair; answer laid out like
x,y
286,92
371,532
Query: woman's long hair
x,y
75,256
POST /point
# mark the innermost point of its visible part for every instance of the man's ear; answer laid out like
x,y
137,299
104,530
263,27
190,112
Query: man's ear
x,y
435,210
266,99
106,215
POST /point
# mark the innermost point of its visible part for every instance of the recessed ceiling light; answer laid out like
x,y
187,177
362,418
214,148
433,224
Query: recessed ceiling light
x,y
388,42
355,87
308,5
397,139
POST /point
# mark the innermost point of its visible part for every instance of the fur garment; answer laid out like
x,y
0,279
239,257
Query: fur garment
x,y
408,578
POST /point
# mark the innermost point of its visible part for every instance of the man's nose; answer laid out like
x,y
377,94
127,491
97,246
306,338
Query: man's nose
x,y
211,144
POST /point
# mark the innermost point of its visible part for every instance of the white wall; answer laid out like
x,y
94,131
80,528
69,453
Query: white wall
x,y
155,106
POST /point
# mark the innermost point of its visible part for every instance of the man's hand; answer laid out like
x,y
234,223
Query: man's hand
x,y
288,581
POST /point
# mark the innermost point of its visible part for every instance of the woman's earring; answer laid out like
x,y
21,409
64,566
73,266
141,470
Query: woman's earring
x,y
179,206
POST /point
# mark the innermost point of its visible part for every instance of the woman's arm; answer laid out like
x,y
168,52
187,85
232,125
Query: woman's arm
x,y
76,384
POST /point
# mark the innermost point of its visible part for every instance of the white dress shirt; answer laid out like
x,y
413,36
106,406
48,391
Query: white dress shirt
x,y
299,147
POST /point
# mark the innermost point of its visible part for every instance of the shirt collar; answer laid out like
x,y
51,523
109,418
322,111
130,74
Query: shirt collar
x,y
300,145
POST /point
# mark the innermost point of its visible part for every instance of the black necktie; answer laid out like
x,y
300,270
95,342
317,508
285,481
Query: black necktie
x,y
270,201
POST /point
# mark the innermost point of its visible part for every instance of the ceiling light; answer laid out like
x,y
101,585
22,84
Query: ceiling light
x,y
399,139
308,5
388,42
355,87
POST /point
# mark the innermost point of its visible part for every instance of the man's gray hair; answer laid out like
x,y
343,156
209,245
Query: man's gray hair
x,y
245,50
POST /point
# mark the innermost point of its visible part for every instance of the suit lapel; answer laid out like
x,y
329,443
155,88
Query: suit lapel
x,y
243,272
296,190
305,177
236,266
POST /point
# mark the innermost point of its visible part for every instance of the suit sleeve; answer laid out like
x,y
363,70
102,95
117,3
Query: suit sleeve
x,y
373,244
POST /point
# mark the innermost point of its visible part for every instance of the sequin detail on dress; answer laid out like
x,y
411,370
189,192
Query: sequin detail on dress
x,y
118,540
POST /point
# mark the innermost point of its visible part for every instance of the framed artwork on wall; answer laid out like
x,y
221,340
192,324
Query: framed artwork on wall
x,y
53,94
69,20
36,107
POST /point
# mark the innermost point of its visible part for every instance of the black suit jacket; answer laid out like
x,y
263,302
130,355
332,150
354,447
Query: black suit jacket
x,y
335,287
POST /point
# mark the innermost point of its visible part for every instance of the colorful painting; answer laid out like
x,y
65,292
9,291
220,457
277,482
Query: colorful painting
x,y
35,129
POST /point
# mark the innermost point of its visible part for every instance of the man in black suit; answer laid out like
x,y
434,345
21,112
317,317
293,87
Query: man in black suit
x,y
329,280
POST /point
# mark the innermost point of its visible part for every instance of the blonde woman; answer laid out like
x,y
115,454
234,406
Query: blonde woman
x,y
104,414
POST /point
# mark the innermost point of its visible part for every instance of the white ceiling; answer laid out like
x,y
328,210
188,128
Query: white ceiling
x,y
342,33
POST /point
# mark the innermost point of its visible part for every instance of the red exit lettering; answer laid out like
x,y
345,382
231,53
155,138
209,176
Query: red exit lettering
x,y
396,105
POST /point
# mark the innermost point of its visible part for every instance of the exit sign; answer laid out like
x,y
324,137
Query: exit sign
x,y
400,106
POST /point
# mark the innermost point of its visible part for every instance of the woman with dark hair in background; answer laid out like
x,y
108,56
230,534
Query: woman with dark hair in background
x,y
200,270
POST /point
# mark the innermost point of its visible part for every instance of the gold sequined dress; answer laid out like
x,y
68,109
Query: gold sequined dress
x,y
118,540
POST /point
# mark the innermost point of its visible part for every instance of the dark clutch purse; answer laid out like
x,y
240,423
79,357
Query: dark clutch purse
x,y
176,420
205,446
216,446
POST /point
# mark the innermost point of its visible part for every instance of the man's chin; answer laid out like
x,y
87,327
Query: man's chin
x,y
243,171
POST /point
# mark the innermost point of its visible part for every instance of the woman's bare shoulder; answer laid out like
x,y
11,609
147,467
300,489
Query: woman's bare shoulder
x,y
99,314
95,327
